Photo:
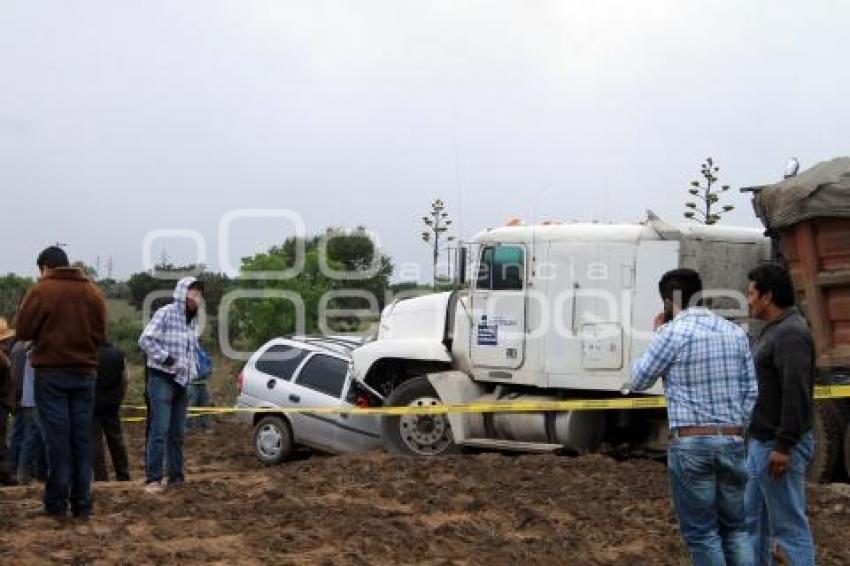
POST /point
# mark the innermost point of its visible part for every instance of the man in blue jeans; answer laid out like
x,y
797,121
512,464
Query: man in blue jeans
x,y
710,386
28,458
781,440
64,315
170,342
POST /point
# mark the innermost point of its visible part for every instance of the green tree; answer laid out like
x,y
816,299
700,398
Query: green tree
x,y
706,207
12,290
437,223
143,283
258,320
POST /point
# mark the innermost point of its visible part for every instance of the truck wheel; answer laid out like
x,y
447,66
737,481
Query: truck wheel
x,y
842,474
829,438
416,435
273,441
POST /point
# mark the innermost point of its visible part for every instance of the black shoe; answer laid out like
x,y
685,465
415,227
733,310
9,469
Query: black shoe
x,y
42,512
82,517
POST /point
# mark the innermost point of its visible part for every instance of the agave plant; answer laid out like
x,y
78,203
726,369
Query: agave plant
x,y
705,207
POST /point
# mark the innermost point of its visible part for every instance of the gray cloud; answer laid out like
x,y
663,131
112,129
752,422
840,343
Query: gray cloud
x,y
119,118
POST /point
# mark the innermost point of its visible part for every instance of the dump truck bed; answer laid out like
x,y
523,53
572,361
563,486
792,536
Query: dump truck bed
x,y
809,215
818,255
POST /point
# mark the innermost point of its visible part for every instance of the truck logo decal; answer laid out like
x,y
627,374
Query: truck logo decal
x,y
488,333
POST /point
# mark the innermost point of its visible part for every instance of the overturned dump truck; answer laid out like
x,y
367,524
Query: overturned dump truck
x,y
552,312
808,218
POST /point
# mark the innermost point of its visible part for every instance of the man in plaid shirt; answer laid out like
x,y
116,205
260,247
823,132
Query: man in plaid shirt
x,y
710,385
170,342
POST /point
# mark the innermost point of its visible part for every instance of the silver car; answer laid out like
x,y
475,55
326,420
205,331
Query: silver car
x,y
306,372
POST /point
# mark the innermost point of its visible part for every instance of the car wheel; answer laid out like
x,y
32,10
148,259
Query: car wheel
x,y
417,435
829,437
272,440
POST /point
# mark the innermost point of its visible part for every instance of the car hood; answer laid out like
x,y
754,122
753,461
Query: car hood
x,y
419,318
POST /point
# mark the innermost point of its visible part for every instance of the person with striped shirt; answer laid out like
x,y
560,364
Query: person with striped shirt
x,y
710,386
170,342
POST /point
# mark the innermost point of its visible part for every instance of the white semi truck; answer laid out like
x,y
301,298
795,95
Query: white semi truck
x,y
552,312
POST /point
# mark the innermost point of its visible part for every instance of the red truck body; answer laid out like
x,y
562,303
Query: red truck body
x,y
817,252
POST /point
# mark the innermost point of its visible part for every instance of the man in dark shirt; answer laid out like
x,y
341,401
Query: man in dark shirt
x,y
109,394
781,438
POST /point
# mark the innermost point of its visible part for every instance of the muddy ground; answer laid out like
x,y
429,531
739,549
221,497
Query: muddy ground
x,y
374,509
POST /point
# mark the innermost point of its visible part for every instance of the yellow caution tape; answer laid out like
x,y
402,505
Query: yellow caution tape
x,y
832,391
133,419
646,402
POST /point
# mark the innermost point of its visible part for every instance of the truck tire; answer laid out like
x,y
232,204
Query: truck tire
x,y
273,442
842,475
829,440
417,435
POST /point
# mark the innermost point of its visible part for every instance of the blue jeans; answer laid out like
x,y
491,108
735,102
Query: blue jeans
x,y
199,396
16,442
26,456
776,508
708,477
167,422
65,403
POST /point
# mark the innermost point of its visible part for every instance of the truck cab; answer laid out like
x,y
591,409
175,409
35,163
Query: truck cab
x,y
551,312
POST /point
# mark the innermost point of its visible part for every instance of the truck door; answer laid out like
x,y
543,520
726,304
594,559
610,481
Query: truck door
x,y
498,307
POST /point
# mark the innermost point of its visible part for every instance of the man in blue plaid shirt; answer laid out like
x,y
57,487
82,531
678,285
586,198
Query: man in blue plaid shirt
x,y
710,385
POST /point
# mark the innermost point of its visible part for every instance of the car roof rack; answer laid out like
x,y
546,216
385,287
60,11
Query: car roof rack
x,y
335,343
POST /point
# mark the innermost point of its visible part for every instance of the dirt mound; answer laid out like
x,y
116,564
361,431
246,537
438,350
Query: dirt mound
x,y
372,508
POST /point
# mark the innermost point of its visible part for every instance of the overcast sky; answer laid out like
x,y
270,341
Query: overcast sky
x,y
118,118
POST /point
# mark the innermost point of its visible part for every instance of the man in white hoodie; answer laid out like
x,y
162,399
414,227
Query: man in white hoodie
x,y
170,341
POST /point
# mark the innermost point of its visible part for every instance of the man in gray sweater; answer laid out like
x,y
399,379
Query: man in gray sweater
x,y
781,439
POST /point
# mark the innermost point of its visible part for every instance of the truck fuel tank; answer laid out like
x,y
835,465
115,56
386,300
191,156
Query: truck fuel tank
x,y
577,431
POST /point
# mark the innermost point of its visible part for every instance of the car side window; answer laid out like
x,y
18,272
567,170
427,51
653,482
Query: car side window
x,y
501,268
281,361
324,374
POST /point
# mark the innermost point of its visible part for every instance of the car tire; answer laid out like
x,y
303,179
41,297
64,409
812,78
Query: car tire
x,y
829,438
273,442
417,435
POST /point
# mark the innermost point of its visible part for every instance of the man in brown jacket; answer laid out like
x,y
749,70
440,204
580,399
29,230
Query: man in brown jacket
x,y
64,314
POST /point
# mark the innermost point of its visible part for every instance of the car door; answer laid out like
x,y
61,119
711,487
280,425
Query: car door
x,y
325,379
320,382
271,373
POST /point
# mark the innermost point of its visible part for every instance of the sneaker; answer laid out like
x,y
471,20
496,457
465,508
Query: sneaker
x,y
154,488
172,483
